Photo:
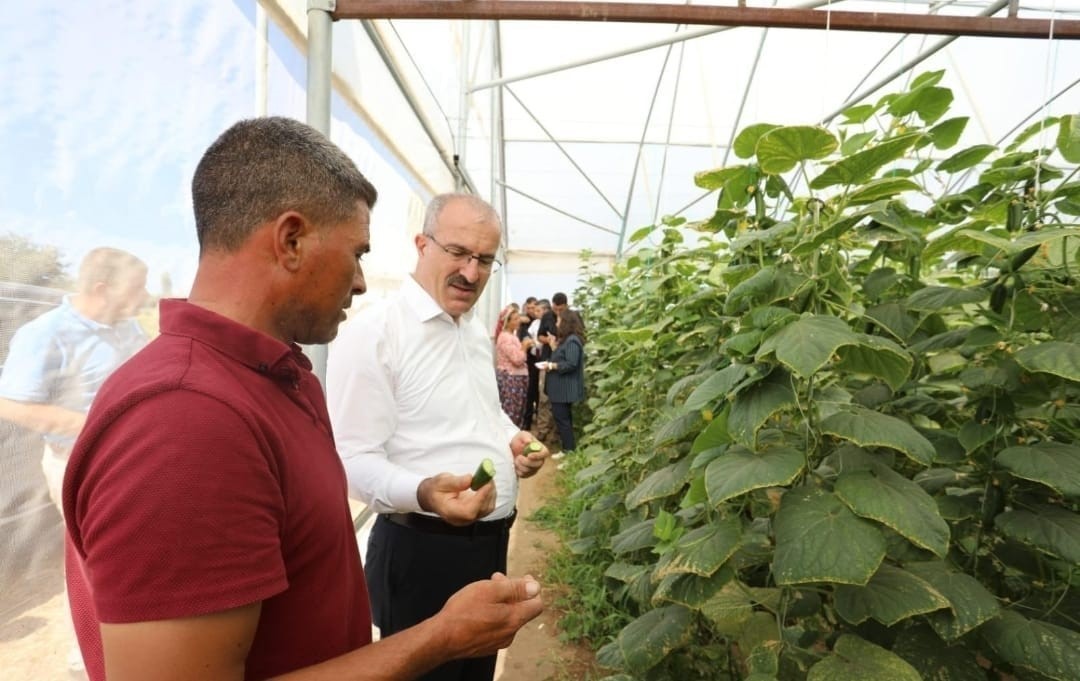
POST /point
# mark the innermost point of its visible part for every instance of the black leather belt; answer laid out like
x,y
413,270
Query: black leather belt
x,y
433,525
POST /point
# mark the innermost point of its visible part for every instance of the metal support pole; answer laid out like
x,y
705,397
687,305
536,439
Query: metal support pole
x,y
498,129
714,15
463,105
320,49
262,52
413,101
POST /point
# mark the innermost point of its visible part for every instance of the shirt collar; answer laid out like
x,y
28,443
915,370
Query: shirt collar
x,y
71,310
239,342
423,305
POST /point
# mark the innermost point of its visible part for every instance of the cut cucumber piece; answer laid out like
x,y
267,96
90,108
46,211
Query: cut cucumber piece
x,y
484,473
533,446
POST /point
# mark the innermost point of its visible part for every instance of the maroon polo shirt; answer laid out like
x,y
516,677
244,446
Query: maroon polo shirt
x,y
206,478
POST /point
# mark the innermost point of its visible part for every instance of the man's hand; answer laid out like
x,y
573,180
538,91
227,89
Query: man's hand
x,y
449,496
528,457
484,616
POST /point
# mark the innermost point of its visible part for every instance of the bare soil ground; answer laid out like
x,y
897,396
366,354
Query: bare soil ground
x,y
537,654
34,638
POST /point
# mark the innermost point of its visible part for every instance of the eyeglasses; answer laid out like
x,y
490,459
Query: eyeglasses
x,y
488,263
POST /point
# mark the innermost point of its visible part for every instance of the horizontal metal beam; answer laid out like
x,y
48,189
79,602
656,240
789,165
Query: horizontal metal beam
x,y
772,17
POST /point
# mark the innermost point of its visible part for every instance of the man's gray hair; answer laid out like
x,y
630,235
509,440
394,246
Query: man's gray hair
x,y
436,205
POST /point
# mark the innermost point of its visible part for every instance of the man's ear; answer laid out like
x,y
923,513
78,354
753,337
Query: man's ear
x,y
420,240
291,239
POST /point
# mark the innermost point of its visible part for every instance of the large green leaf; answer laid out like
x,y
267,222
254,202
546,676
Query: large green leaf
x,y
882,188
928,103
807,345
753,406
1052,357
1054,464
766,237
894,318
818,539
677,427
719,383
714,435
947,133
742,470
891,595
860,167
860,113
868,428
765,286
1033,129
688,589
781,149
662,483
635,537
729,608
647,640
1048,649
970,602
703,550
1052,529
855,659
993,241
625,572
745,144
718,177
896,502
877,357
763,662
855,142
962,160
933,659
934,298
1068,139
739,187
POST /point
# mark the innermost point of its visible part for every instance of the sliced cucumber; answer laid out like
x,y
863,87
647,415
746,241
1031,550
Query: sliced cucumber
x,y
483,475
533,447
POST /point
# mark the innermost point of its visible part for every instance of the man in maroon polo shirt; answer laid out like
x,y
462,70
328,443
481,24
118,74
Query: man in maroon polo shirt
x,y
209,533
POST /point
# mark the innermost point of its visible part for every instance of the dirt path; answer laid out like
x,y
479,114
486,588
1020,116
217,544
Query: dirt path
x,y
537,654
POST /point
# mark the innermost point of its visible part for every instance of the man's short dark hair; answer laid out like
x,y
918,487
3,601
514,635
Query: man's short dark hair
x,y
530,299
262,167
558,299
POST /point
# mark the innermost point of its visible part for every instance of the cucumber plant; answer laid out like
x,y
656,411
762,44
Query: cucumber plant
x,y
832,432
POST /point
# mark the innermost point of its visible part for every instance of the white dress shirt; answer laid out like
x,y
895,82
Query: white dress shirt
x,y
534,328
412,394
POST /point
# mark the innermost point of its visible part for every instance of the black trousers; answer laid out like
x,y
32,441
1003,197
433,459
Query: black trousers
x,y
532,397
412,573
564,423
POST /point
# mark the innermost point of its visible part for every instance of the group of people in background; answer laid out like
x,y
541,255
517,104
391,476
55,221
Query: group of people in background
x,y
540,365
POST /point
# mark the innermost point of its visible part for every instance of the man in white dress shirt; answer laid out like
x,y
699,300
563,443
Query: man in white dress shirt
x,y
415,408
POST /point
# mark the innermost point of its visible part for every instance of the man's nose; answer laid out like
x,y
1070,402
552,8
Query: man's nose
x,y
471,269
359,283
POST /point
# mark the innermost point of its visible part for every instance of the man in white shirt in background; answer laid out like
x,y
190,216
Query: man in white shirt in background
x,y
415,409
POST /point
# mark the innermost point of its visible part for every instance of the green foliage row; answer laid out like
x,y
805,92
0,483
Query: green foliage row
x,y
832,431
